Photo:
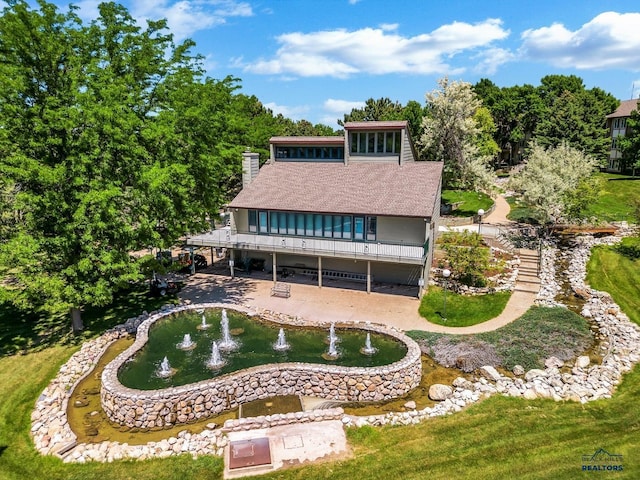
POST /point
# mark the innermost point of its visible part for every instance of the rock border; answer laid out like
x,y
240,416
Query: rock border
x,y
586,382
184,404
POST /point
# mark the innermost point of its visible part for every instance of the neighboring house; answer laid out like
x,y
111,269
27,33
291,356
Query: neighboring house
x,y
617,124
359,207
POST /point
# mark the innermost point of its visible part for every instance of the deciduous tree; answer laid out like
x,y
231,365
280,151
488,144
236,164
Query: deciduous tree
x,y
557,182
451,134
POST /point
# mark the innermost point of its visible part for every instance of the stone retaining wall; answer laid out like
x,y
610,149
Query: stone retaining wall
x,y
187,403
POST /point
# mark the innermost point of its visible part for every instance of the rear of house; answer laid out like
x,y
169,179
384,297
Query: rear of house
x,y
359,207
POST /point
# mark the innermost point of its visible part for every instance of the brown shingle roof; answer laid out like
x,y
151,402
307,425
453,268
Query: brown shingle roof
x,y
307,140
376,125
625,109
386,189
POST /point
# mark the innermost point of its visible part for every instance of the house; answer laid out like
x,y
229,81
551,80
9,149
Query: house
x,y
617,125
358,207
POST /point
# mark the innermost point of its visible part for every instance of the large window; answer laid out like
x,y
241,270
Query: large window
x,y
376,142
310,153
346,227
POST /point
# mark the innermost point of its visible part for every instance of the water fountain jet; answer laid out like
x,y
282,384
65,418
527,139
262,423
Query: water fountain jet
x,y
215,361
165,370
281,344
227,344
186,343
368,349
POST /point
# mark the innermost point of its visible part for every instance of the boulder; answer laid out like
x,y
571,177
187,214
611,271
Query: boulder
x,y
439,392
533,373
410,405
553,362
518,370
583,361
489,373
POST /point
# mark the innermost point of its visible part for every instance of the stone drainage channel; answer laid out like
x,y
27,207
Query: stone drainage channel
x,y
619,342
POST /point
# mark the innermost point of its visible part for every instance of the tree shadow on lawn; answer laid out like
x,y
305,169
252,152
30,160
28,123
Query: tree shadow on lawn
x,y
25,331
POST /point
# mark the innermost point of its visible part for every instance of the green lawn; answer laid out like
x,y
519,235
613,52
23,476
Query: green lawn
x,y
470,202
614,203
461,310
21,331
612,272
497,438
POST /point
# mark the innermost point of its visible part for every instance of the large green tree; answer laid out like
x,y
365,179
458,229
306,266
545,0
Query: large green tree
x,y
95,155
630,143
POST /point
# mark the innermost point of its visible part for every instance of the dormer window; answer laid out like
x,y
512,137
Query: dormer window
x,y
367,143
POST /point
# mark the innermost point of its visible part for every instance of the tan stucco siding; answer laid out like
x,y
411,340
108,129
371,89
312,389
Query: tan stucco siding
x,y
240,220
401,230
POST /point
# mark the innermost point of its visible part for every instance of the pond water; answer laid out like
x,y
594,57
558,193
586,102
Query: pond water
x,y
255,346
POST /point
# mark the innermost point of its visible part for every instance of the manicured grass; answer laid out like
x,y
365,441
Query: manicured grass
x,y
537,335
498,438
20,331
612,272
471,202
461,310
615,201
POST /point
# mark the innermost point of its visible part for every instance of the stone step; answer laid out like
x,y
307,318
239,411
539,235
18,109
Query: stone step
x,y
529,288
528,279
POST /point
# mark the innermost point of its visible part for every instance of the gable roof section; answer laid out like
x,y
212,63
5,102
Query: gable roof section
x,y
386,189
625,109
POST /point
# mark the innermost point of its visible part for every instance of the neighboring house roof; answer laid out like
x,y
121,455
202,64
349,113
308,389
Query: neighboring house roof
x,y
336,140
367,188
625,109
376,125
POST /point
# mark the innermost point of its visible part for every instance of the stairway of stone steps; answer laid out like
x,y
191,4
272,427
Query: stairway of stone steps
x,y
528,279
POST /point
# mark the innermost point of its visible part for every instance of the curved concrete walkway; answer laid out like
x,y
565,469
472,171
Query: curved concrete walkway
x,y
499,214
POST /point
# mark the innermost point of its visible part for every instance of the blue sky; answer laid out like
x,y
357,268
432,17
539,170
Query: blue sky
x,y
317,59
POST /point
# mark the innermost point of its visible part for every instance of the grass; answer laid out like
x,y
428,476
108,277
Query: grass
x,y
538,334
498,438
615,201
470,202
610,271
461,310
520,212
21,332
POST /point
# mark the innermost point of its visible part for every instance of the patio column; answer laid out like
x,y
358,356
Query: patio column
x,y
231,261
320,272
275,268
368,276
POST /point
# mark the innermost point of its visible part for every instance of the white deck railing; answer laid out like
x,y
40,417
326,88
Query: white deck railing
x,y
326,247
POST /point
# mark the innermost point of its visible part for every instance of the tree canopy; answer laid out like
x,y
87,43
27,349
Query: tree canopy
x,y
454,131
111,140
558,183
629,144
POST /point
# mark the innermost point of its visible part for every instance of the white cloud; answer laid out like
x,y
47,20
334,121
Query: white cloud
x,y
635,89
341,106
342,53
490,59
185,17
610,40
294,113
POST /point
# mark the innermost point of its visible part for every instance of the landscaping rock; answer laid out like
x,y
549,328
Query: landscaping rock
x,y
552,362
439,392
583,361
518,370
489,373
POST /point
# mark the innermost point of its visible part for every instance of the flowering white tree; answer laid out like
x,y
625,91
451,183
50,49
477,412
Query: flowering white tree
x,y
557,182
451,133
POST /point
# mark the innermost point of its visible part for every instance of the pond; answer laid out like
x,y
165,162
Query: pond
x,y
254,339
